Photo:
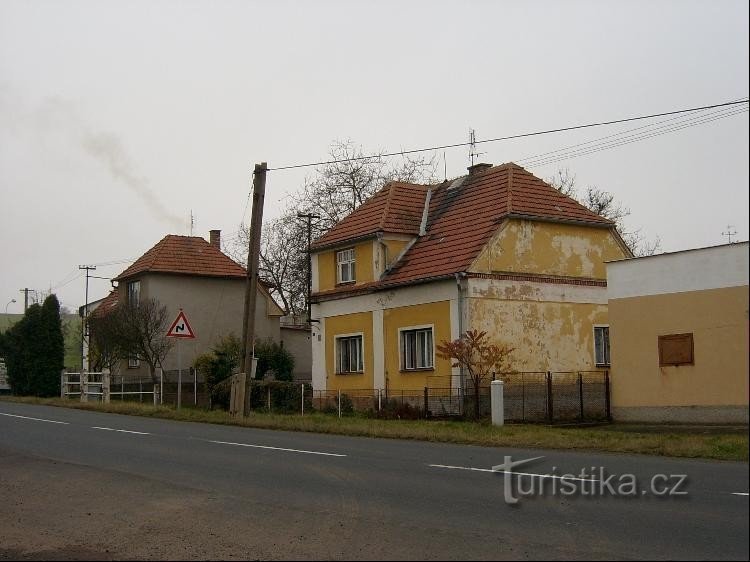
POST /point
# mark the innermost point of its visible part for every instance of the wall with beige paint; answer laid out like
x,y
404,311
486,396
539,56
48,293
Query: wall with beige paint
x,y
325,274
549,325
548,248
703,292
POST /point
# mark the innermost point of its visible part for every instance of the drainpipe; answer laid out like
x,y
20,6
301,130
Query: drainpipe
x,y
459,287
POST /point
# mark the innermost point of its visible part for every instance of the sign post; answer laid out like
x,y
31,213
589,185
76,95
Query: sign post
x,y
180,329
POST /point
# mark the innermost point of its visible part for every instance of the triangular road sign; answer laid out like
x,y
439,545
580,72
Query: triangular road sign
x,y
180,327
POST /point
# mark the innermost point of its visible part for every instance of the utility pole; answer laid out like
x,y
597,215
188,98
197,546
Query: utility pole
x,y
251,287
26,298
84,316
729,233
309,217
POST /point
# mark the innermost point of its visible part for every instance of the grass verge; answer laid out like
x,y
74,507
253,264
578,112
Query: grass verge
x,y
714,444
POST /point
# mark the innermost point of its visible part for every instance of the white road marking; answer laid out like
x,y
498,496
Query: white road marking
x,y
277,449
740,494
35,419
121,430
512,472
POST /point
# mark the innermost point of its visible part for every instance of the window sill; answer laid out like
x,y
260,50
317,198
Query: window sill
x,y
424,370
345,283
349,373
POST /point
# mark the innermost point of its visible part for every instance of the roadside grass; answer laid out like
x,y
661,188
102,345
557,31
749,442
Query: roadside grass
x,y
714,443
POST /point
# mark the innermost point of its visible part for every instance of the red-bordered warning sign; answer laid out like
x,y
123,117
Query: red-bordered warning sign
x,y
181,327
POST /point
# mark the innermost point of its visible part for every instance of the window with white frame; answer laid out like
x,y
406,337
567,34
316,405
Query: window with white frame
x,y
349,357
601,345
133,362
345,266
417,349
134,293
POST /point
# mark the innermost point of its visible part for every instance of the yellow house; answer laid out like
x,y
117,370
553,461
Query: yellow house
x,y
497,250
679,328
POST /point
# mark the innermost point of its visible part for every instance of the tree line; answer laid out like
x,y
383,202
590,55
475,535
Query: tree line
x,y
34,350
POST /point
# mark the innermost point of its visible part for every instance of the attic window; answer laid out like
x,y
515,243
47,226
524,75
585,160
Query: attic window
x,y
345,266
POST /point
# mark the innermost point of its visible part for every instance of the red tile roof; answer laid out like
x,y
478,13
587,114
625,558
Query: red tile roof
x,y
396,209
463,215
186,255
107,304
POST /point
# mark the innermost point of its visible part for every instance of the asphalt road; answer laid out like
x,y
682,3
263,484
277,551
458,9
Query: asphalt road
x,y
85,485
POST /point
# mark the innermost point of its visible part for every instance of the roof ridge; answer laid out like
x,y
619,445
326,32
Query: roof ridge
x,y
391,187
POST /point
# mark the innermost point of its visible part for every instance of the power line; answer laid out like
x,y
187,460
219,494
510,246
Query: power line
x,y
621,142
571,152
511,137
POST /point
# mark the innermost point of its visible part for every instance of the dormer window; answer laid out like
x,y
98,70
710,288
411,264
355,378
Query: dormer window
x,y
345,266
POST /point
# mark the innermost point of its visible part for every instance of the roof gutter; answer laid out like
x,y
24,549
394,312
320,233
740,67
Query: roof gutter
x,y
536,218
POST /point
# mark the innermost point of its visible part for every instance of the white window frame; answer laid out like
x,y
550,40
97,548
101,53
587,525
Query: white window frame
x,y
346,261
402,351
608,349
134,362
337,356
131,284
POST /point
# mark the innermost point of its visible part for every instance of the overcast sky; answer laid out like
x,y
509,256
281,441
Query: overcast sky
x,y
119,118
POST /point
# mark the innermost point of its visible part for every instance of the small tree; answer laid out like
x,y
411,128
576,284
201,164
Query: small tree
x,y
142,332
106,347
273,357
473,353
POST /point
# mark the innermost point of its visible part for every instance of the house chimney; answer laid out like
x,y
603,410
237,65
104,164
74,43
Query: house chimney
x,y
215,239
476,168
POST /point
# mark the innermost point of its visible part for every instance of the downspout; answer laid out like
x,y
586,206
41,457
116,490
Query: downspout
x,y
460,304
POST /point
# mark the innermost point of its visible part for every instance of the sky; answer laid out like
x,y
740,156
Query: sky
x,y
119,119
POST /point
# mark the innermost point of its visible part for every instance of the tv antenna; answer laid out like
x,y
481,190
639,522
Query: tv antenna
x,y
729,233
473,146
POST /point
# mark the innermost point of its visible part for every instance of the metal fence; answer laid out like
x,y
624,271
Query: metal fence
x,y
552,397
187,387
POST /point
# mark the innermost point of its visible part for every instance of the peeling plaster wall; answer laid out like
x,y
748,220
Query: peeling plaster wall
x,y
550,325
550,249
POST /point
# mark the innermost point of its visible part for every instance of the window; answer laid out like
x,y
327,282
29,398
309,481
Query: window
x,y
676,349
345,266
349,355
134,293
601,345
133,362
416,349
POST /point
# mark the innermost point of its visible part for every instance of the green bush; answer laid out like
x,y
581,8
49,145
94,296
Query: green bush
x,y
274,357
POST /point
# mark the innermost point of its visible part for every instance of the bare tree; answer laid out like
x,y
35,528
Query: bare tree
x,y
333,192
143,333
604,204
105,342
473,353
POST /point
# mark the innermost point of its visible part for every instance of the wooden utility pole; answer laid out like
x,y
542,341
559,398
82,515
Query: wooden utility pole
x,y
251,287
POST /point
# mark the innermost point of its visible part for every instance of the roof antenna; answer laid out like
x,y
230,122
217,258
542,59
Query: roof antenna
x,y
445,168
473,146
192,222
729,233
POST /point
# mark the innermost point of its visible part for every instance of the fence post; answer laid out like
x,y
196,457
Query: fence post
x,y
157,395
607,404
380,393
161,385
195,386
303,398
497,402
339,395
426,402
580,392
140,389
106,381
84,386
550,403
63,374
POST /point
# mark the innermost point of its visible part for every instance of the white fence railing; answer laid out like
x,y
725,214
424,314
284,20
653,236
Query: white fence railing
x,y
97,386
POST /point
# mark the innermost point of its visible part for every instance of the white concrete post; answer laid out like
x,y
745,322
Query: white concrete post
x,y
106,380
84,386
302,392
63,376
339,403
157,395
496,399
